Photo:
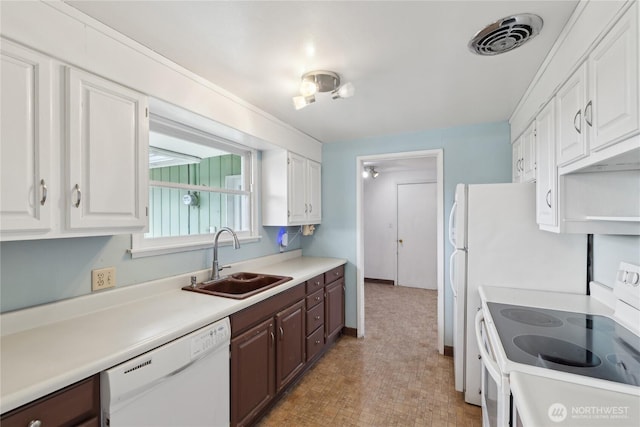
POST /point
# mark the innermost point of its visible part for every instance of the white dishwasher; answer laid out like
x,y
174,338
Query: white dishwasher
x,y
182,383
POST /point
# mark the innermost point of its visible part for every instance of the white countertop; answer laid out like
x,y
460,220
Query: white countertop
x,y
544,299
46,348
545,401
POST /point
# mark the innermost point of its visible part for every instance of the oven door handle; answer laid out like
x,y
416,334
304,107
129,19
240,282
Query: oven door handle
x,y
487,360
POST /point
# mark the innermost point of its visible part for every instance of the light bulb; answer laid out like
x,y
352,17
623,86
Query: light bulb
x,y
365,174
300,102
345,91
308,87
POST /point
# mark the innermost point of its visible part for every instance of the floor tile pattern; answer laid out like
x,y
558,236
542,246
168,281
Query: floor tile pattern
x,y
392,377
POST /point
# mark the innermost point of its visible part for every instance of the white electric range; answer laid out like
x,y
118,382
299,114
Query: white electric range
x,y
590,342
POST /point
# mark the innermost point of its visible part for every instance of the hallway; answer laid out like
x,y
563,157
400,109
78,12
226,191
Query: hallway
x,y
393,377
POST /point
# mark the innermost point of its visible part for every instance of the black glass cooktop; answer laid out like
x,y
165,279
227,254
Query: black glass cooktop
x,y
583,344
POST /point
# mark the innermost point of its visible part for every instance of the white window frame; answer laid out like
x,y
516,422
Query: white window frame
x,y
144,247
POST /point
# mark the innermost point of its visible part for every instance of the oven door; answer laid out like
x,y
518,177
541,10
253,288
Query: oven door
x,y
495,394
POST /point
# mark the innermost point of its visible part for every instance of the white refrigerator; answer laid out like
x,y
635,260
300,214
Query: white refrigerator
x,y
496,241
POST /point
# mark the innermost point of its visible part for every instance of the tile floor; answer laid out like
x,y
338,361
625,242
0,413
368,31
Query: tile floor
x,y
393,377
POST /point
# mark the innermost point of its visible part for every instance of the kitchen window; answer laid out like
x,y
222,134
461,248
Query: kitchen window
x,y
198,183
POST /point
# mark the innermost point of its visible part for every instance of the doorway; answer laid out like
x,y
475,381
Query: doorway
x,y
436,158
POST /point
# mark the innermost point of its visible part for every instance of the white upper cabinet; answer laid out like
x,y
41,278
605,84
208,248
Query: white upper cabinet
x,y
291,189
612,110
107,154
598,104
546,182
524,156
314,191
73,151
25,141
296,181
572,142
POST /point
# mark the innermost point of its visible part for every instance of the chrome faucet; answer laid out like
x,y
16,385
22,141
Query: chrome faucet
x,y
215,270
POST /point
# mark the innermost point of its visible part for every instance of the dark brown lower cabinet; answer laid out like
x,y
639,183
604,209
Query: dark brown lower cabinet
x,y
76,405
334,309
252,372
291,348
274,341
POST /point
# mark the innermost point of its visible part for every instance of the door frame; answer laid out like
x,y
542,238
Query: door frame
x,y
360,160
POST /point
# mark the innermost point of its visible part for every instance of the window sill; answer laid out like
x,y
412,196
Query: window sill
x,y
169,247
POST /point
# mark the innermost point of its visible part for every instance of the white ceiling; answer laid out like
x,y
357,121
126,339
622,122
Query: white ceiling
x,y
408,60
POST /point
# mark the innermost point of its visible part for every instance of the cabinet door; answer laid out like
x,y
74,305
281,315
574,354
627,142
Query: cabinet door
x,y
612,110
314,191
107,154
529,154
546,209
291,348
572,143
25,139
515,161
297,205
334,308
252,372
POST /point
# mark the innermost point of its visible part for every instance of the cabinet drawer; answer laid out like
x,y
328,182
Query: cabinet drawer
x,y
77,404
251,315
315,318
315,299
315,283
334,274
315,342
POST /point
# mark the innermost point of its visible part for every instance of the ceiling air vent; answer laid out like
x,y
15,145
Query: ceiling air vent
x,y
506,34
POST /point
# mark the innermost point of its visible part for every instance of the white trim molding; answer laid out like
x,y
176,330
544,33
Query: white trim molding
x,y
360,160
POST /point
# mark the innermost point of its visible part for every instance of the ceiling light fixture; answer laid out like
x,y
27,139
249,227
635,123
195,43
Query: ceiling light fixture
x,y
370,172
315,82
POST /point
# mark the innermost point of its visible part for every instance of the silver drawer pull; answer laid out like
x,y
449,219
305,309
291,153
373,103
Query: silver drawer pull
x,y
79,193
35,423
588,114
43,185
317,317
318,283
548,198
317,341
337,273
317,298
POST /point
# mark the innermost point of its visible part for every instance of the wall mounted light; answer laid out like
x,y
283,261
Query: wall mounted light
x,y
315,82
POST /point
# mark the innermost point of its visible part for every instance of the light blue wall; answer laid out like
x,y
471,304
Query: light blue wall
x,y
608,251
472,154
40,271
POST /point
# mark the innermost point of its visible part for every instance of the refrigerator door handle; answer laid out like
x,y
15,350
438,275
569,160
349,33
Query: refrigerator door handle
x,y
451,226
451,275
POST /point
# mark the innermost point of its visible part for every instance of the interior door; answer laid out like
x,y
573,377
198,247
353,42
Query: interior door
x,y
417,235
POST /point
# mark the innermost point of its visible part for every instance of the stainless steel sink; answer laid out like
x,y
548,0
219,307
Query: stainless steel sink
x,y
238,285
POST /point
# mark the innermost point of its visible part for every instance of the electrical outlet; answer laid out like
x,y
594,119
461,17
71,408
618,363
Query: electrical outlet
x,y
103,278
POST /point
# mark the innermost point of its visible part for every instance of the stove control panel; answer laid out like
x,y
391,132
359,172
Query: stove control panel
x,y
627,286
